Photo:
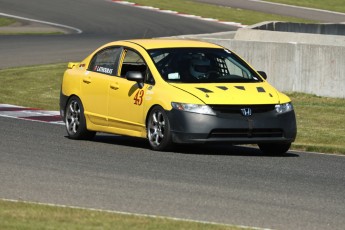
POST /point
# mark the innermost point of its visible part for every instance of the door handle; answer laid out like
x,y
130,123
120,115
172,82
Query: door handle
x,y
114,86
87,80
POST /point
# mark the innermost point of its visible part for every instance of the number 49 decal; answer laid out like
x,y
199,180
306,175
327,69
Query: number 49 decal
x,y
138,98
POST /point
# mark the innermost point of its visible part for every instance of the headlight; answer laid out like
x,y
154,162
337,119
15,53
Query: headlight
x,y
193,108
283,108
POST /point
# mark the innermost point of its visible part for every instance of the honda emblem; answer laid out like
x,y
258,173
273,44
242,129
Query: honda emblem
x,y
246,112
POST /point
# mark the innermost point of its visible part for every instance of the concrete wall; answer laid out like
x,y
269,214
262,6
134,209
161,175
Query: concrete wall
x,y
293,66
284,37
313,69
325,28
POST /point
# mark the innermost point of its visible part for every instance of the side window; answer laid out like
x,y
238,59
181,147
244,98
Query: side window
x,y
106,61
236,69
134,62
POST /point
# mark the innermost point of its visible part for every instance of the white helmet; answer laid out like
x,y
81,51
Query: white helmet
x,y
199,66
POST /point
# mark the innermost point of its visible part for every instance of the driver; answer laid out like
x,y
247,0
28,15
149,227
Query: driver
x,y
199,66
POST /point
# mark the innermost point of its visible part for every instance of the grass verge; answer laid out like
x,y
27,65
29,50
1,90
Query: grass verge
x,y
333,5
246,17
32,86
320,120
320,123
20,215
6,21
6,28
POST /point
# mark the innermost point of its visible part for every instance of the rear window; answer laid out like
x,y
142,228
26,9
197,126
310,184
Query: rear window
x,y
106,61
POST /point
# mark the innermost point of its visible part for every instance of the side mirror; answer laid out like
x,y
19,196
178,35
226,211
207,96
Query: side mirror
x,y
72,64
263,74
136,76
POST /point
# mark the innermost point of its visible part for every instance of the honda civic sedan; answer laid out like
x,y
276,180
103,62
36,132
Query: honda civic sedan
x,y
175,91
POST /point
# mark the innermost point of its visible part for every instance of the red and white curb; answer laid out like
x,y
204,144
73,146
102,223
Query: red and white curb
x,y
31,114
237,24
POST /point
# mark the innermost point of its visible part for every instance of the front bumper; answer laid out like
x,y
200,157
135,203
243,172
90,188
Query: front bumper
x,y
265,127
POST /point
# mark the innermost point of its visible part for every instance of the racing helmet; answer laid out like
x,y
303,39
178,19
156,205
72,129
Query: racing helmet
x,y
199,66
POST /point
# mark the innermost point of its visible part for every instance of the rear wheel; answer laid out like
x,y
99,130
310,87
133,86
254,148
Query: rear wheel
x,y
75,120
158,130
274,148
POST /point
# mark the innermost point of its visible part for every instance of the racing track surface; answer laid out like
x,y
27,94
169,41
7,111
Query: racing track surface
x,y
234,185
100,20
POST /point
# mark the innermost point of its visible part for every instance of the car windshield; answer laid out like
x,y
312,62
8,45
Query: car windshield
x,y
201,65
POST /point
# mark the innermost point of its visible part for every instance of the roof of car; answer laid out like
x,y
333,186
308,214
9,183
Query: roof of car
x,y
171,43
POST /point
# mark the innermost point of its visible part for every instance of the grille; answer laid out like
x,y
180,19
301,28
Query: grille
x,y
237,108
245,133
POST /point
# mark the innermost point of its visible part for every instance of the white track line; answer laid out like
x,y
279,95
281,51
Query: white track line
x,y
131,214
79,31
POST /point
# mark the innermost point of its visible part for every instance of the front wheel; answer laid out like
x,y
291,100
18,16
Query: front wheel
x,y
75,120
274,148
158,130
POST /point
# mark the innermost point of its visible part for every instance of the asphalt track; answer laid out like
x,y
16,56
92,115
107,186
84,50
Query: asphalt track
x,y
235,185
100,20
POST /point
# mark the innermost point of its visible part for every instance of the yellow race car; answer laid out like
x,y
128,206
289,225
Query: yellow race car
x,y
175,91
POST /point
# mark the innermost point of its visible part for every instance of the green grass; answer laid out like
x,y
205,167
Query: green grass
x,y
20,215
333,5
320,120
6,21
9,21
245,17
33,86
320,123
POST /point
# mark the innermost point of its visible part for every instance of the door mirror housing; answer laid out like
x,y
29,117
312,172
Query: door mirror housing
x,y
72,64
137,77
263,74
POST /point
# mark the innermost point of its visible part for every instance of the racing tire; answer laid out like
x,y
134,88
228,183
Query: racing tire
x,y
75,120
274,148
158,130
